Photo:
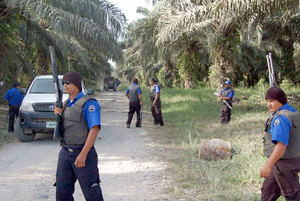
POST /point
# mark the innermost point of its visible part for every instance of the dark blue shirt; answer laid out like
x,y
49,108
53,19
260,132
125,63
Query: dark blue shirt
x,y
281,126
230,94
91,111
14,97
139,89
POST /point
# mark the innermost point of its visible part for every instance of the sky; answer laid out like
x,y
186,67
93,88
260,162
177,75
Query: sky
x,y
128,7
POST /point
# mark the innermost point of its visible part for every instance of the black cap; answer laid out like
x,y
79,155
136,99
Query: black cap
x,y
16,84
74,78
276,93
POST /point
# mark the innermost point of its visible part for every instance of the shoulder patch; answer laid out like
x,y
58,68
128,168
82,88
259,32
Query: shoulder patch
x,y
92,108
276,122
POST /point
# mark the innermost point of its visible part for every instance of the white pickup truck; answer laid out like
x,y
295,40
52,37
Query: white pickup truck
x,y
36,111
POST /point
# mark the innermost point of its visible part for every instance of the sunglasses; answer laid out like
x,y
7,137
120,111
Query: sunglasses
x,y
66,82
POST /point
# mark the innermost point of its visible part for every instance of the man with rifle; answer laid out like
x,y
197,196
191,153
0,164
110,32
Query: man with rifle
x,y
281,145
226,95
78,158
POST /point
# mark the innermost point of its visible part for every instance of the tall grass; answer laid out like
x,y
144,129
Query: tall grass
x,y
193,115
5,137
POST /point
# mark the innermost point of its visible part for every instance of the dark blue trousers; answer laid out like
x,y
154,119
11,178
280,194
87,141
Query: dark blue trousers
x,y
88,176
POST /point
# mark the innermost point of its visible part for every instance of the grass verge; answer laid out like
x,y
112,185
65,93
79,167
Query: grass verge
x,y
5,137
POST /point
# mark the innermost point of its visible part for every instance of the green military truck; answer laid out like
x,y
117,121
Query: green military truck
x,y
111,83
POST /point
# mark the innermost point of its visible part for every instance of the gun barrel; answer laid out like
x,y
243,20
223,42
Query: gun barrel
x,y
272,77
58,132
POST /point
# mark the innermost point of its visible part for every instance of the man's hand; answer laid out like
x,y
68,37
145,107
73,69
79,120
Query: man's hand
x,y
275,156
58,110
265,171
80,161
154,103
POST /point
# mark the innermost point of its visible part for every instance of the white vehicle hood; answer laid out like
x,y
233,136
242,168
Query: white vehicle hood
x,y
42,98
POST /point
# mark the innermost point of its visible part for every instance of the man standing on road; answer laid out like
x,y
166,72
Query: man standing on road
x,y
282,147
134,94
14,99
155,102
226,94
78,158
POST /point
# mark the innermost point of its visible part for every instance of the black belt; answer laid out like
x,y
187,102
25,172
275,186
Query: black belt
x,y
73,149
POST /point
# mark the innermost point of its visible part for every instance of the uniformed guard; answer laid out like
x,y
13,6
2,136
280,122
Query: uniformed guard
x,y
226,94
155,102
282,147
134,94
78,158
14,98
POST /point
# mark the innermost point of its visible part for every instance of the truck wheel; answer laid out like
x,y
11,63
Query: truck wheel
x,y
23,137
115,88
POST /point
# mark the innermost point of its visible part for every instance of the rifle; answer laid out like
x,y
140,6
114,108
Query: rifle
x,y
217,94
141,115
272,78
58,132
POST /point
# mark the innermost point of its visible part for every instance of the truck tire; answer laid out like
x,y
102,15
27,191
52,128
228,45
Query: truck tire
x,y
23,137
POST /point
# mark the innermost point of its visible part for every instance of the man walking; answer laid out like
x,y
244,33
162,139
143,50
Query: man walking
x,y
226,94
282,147
134,94
155,102
14,99
78,158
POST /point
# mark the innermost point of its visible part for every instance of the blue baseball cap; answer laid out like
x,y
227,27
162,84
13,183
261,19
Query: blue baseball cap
x,y
228,82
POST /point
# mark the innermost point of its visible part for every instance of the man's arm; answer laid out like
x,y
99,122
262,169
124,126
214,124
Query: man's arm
x,y
229,97
141,100
92,136
275,156
156,98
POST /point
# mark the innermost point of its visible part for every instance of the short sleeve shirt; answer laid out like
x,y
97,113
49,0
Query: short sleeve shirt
x,y
281,126
14,97
157,88
230,94
91,111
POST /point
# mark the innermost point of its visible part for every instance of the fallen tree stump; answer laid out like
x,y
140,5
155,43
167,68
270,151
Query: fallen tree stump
x,y
215,149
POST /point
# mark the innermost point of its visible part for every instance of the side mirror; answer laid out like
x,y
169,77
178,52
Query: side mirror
x,y
23,90
89,91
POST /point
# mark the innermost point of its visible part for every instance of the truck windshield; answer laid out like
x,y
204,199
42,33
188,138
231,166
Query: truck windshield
x,y
44,86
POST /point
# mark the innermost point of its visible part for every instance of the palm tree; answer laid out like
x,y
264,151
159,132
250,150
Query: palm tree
x,y
82,32
140,53
221,21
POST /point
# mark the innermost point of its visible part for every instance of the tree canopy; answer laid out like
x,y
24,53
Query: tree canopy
x,y
85,35
207,41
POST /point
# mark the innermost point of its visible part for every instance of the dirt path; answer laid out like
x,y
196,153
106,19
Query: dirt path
x,y
129,171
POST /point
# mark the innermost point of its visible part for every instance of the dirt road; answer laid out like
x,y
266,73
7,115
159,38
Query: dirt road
x,y
128,169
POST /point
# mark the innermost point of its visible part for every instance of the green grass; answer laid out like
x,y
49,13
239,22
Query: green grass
x,y
5,137
193,115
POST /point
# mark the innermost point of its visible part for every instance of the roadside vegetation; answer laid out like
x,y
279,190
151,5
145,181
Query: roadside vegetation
x,y
191,115
5,137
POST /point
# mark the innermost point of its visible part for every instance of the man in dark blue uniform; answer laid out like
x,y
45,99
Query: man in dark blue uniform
x,y
155,102
78,158
282,147
134,94
226,94
14,99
